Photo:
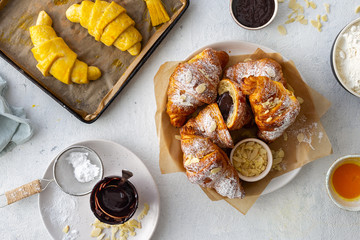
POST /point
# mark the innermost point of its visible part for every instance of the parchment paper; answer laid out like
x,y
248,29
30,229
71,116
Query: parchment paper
x,y
89,99
315,145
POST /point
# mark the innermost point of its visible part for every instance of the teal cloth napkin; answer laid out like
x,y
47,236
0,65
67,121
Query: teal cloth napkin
x,y
15,129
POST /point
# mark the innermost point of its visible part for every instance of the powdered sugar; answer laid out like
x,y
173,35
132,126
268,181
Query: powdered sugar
x,y
84,171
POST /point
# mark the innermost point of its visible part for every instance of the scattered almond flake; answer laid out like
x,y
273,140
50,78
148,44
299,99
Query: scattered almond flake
x,y
282,30
300,8
299,18
215,170
267,111
292,4
313,5
291,14
304,21
307,3
278,157
95,232
324,18
291,20
285,136
314,23
188,76
247,59
270,72
300,137
269,119
301,100
318,17
357,10
319,26
327,7
195,160
178,137
201,88
66,229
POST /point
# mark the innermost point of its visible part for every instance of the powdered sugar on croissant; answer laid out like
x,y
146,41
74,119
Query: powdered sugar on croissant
x,y
205,162
266,67
275,108
194,83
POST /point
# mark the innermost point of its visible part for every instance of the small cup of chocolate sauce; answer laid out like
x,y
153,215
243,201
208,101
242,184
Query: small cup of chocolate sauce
x,y
114,200
253,14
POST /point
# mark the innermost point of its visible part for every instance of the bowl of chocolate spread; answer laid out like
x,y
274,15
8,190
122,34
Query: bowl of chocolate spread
x,y
114,200
253,14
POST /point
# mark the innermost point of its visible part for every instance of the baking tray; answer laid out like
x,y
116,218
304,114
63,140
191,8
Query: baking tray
x,y
89,117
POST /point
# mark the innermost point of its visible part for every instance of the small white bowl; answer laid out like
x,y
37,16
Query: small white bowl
x,y
268,166
339,201
276,7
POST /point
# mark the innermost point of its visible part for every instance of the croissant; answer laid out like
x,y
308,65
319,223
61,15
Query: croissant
x,y
233,105
55,57
205,162
275,108
108,23
194,83
266,67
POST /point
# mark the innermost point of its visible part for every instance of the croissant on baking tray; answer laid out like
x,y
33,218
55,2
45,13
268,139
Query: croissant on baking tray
x,y
233,106
205,162
275,108
55,57
108,23
264,67
194,83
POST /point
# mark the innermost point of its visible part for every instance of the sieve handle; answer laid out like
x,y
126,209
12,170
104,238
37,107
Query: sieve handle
x,y
21,192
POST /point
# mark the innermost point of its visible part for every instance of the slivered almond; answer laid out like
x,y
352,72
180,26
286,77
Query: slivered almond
x,y
327,7
269,119
188,76
313,5
282,30
201,88
357,10
324,18
177,137
215,170
301,101
213,126
300,137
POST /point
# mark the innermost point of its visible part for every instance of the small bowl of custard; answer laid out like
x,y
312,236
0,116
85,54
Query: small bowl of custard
x,y
343,182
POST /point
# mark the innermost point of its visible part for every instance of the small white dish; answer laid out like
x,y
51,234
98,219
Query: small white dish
x,y
268,166
276,6
339,201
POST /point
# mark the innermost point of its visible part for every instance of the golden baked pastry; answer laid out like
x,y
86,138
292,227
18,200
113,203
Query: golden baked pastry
x,y
194,83
205,162
275,108
55,57
108,23
233,106
266,67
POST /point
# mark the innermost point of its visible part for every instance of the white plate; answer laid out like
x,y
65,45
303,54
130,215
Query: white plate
x,y
59,209
242,48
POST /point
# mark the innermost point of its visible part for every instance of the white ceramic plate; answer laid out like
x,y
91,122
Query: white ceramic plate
x,y
59,209
241,48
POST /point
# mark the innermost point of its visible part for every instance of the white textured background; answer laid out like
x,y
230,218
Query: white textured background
x,y
300,210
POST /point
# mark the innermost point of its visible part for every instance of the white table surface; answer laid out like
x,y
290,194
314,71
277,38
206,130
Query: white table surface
x,y
300,210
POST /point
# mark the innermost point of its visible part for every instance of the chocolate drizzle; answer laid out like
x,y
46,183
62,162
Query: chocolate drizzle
x,y
114,200
225,103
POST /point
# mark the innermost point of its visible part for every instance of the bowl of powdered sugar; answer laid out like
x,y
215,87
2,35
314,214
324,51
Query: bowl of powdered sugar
x,y
77,169
345,57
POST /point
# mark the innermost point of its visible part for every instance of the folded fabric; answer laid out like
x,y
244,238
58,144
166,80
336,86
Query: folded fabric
x,y
15,129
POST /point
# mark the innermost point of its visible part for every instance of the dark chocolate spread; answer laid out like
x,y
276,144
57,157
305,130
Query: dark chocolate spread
x,y
225,103
253,13
114,200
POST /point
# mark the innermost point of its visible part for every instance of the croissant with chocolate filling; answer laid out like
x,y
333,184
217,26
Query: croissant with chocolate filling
x,y
275,108
194,83
266,67
205,162
233,105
